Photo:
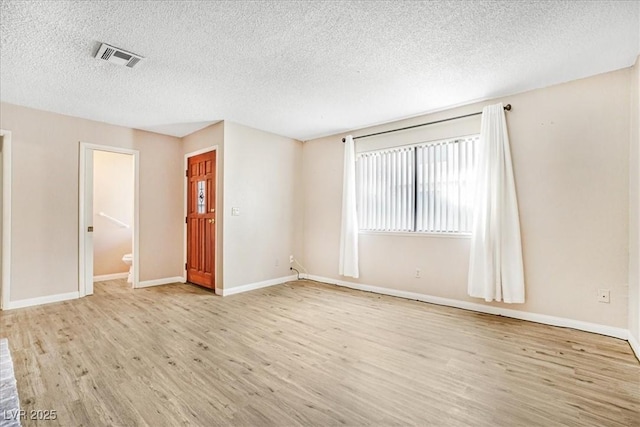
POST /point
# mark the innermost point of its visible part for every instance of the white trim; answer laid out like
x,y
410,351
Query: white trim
x,y
136,218
499,311
257,285
114,276
6,219
82,223
158,282
201,151
186,189
635,345
41,300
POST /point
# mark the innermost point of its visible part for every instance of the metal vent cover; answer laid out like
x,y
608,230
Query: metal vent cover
x,y
118,56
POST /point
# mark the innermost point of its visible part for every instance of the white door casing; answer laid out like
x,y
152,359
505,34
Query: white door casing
x,y
85,237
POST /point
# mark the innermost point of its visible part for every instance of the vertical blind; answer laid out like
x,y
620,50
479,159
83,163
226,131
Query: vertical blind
x,y
385,189
422,188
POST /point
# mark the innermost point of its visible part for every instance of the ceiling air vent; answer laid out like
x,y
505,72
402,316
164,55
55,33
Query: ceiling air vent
x,y
118,56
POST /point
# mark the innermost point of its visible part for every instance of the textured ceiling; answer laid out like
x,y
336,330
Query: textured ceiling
x,y
299,69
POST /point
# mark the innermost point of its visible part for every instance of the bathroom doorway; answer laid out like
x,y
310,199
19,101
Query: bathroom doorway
x,y
108,233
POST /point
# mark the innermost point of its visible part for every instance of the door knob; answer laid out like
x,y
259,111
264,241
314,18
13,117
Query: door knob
x,y
211,221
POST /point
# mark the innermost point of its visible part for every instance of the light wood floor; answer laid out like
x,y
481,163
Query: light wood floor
x,y
308,354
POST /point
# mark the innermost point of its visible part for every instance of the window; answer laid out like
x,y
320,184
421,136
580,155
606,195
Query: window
x,y
202,205
423,188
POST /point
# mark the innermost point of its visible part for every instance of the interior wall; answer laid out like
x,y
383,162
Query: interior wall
x,y
212,135
262,177
634,205
45,198
570,147
113,195
1,203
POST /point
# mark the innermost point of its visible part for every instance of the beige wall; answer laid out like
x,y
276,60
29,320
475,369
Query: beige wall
x,y
161,210
262,177
634,205
113,185
570,146
1,201
210,136
204,138
45,198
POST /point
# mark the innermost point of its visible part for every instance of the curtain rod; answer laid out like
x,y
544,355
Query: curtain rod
x,y
506,107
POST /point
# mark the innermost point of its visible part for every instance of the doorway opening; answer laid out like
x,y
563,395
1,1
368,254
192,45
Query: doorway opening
x,y
108,232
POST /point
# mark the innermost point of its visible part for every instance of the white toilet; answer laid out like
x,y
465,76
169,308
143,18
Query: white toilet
x,y
128,259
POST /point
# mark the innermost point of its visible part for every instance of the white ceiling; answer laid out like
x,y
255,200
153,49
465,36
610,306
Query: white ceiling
x,y
299,69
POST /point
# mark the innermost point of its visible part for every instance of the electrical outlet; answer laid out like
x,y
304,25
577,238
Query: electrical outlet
x,y
290,259
277,263
235,211
604,295
417,273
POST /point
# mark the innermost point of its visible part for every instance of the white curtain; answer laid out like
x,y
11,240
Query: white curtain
x,y
349,232
495,267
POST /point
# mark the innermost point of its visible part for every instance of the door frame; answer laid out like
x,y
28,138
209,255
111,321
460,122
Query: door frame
x,y
6,218
83,221
186,190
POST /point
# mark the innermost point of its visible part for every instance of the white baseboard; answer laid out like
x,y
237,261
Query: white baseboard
x,y
158,282
113,276
257,285
41,300
635,345
499,311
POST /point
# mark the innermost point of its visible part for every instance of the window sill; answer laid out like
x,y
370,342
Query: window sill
x,y
416,234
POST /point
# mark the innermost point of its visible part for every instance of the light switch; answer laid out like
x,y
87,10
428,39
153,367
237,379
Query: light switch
x,y
235,211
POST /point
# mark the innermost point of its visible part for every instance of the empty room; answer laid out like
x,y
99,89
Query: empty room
x,y
280,213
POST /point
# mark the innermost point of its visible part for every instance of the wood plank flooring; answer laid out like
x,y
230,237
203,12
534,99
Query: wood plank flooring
x,y
309,354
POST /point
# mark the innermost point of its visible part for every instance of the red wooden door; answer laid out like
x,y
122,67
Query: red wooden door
x,y
201,219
